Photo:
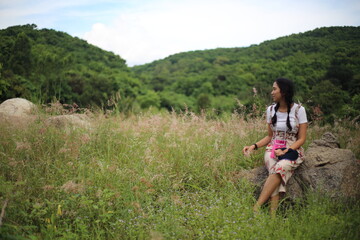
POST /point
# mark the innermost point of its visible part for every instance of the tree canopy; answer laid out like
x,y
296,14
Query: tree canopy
x,y
44,64
328,56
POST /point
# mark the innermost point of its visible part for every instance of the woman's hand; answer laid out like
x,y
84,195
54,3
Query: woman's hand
x,y
247,150
279,152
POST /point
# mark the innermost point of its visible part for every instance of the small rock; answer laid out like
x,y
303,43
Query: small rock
x,y
327,140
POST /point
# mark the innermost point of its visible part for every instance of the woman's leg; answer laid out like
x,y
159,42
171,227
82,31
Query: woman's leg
x,y
272,182
274,203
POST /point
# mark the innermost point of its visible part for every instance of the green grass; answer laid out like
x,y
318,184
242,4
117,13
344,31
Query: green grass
x,y
153,176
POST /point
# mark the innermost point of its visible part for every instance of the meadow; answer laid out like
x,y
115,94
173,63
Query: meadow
x,y
155,176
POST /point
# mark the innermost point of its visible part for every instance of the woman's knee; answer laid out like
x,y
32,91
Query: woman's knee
x,y
275,175
284,164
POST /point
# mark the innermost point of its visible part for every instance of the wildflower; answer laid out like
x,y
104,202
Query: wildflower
x,y
112,168
37,205
63,150
59,212
48,187
42,130
150,190
137,206
176,199
161,199
156,235
254,91
99,193
22,146
85,138
71,187
12,162
147,183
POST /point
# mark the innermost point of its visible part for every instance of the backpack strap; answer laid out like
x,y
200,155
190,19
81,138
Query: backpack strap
x,y
271,111
297,114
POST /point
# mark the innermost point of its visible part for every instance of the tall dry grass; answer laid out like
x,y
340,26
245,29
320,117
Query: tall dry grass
x,y
153,176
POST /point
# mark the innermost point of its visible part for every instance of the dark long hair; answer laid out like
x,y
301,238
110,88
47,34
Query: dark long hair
x,y
287,90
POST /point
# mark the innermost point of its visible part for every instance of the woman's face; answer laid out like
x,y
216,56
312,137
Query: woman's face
x,y
275,93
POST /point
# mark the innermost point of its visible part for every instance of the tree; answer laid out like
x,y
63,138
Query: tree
x,y
329,97
203,101
175,101
339,71
3,83
20,61
150,98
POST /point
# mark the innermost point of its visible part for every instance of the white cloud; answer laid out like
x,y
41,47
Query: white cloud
x,y
162,28
141,31
52,13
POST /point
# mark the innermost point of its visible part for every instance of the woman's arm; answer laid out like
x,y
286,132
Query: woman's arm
x,y
263,142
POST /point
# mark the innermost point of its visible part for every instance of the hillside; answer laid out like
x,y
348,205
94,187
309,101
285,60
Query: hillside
x,y
46,64
325,58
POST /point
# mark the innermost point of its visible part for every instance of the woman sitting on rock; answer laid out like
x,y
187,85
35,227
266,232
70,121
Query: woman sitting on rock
x,y
287,125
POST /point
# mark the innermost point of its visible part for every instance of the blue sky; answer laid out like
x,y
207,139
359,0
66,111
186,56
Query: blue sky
x,y
141,31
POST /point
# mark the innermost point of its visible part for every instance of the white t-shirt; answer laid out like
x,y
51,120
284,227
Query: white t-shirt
x,y
282,117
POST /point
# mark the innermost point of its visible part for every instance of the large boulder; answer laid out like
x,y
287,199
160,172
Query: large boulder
x,y
17,112
327,169
17,107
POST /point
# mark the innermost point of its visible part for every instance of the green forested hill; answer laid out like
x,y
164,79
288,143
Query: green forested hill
x,y
46,64
324,63
43,65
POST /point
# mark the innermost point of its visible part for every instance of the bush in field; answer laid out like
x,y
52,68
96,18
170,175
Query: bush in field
x,y
150,98
174,101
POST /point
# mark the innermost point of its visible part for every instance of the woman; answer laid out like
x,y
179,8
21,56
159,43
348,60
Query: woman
x,y
287,124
